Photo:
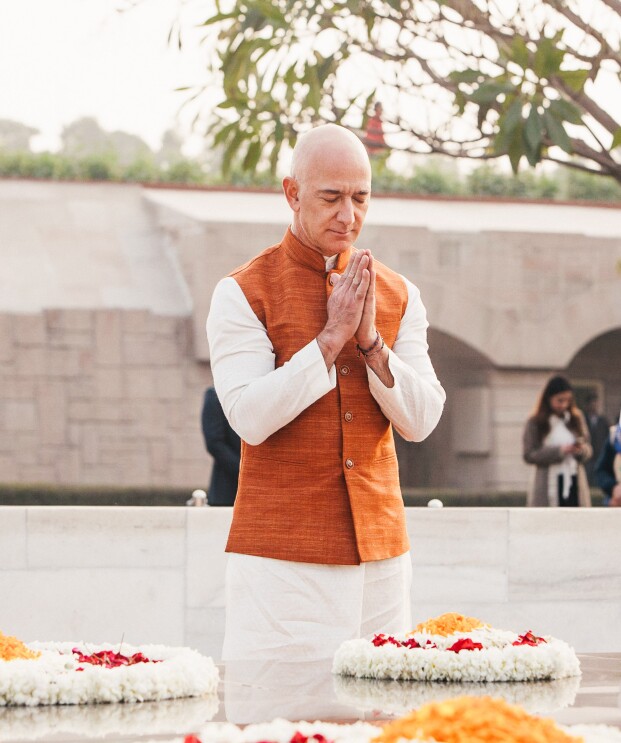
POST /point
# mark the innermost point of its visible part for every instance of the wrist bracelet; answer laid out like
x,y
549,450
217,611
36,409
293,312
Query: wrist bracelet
x,y
376,351
373,348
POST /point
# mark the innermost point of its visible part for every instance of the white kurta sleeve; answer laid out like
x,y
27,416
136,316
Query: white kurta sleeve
x,y
415,403
257,398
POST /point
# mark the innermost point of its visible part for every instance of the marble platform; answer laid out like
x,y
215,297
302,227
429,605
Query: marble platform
x,y
254,692
156,575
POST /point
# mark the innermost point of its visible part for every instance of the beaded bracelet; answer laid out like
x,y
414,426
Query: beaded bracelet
x,y
372,350
377,350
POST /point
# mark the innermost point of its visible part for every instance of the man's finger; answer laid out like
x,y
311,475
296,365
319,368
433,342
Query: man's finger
x,y
349,270
361,289
360,268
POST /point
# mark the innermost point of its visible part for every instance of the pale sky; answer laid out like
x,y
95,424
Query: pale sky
x,y
64,59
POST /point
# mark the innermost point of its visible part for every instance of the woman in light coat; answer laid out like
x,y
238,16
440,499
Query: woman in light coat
x,y
556,440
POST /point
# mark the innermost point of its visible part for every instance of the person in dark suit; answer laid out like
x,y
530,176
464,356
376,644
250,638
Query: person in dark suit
x,y
608,469
224,445
598,431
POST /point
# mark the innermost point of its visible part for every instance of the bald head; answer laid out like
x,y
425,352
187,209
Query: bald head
x,y
327,143
329,189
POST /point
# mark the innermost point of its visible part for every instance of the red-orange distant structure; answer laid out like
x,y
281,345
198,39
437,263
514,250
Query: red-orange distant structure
x,y
374,136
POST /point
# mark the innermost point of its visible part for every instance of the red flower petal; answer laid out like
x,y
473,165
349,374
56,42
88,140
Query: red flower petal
x,y
528,638
465,643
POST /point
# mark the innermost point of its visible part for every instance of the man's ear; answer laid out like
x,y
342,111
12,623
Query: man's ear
x,y
292,192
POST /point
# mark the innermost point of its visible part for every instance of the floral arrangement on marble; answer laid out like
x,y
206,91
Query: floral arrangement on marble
x,y
47,673
457,649
459,720
284,731
397,697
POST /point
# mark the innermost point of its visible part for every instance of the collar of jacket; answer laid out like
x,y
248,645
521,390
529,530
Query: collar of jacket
x,y
310,258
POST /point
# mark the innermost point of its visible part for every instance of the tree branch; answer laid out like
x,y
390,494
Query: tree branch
x,y
614,4
589,105
603,159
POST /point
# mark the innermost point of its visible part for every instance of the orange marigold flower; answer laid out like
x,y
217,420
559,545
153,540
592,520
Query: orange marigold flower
x,y
11,648
473,720
447,624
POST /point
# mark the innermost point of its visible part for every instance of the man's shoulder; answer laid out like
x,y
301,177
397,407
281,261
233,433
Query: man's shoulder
x,y
258,262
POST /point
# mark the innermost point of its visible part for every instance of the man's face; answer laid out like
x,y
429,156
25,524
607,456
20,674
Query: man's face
x,y
330,201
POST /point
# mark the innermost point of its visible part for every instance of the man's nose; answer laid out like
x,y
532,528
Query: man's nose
x,y
346,212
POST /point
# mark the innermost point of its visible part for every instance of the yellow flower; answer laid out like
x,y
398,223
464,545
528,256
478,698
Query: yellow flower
x,y
447,624
473,720
11,648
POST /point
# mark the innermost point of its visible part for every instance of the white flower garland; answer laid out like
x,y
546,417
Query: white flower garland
x,y
281,731
397,697
498,660
53,679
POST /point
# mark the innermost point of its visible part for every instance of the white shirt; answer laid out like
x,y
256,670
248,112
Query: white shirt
x,y
259,399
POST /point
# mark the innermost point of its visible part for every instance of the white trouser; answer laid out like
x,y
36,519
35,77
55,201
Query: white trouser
x,y
282,610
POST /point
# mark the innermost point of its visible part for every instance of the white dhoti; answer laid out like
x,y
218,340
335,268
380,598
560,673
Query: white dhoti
x,y
283,610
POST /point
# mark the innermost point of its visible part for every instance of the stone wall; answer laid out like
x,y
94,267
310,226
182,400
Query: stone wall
x,y
105,288
103,397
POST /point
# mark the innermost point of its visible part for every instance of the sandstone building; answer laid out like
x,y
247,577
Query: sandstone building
x,y
104,291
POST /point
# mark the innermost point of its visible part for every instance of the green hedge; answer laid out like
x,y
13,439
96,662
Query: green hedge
x,y
453,497
41,494
36,494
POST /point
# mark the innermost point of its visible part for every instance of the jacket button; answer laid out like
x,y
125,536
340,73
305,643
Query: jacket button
x,y
349,463
345,370
349,416
334,277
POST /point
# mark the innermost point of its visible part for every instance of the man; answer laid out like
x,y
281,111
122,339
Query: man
x,y
598,431
608,469
316,349
224,445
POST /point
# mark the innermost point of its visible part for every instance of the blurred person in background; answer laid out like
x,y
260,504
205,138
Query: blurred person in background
x,y
608,468
556,440
224,445
598,431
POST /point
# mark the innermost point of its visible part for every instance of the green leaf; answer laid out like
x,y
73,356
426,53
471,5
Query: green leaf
x,y
516,148
231,150
217,18
465,76
574,78
548,58
223,134
274,157
513,115
616,140
269,10
489,92
508,122
556,132
533,130
232,103
313,97
565,111
519,52
460,102
252,156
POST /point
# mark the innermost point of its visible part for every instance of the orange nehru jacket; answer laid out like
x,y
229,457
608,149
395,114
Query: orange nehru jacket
x,y
325,487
